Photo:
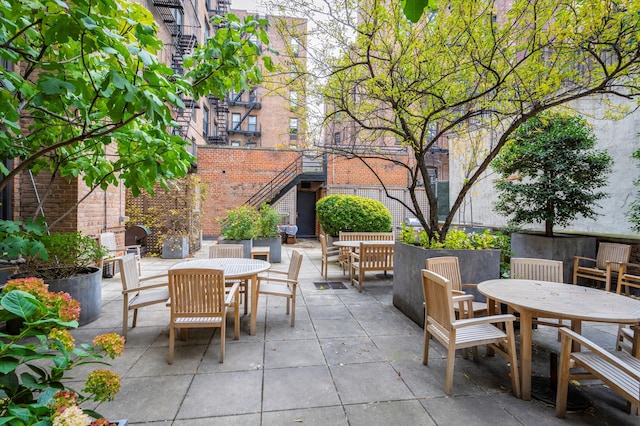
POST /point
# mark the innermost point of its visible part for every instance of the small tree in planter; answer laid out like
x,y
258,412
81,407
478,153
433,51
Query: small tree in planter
x,y
268,235
352,213
240,226
634,212
551,173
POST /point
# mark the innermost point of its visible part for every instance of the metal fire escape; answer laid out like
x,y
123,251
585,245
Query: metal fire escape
x,y
172,13
218,134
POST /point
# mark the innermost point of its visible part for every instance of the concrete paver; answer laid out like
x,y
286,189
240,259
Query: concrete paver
x,y
351,359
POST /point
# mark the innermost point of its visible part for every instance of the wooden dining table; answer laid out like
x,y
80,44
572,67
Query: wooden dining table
x,y
545,299
236,269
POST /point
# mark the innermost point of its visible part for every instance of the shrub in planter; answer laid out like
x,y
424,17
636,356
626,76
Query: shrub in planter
x,y
241,223
352,213
269,220
35,362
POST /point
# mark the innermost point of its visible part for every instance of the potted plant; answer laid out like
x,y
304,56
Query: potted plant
x,y
66,261
268,234
551,173
481,255
240,226
35,361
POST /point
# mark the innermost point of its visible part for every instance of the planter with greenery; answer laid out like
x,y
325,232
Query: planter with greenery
x,y
352,213
268,235
66,261
240,226
35,362
551,173
482,256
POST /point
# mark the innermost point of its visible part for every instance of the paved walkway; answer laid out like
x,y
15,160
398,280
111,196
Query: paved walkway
x,y
351,359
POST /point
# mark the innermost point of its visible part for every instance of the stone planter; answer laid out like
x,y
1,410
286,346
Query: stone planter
x,y
175,247
275,247
409,260
86,289
559,247
246,246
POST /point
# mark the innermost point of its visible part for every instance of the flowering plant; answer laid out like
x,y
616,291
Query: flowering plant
x,y
34,361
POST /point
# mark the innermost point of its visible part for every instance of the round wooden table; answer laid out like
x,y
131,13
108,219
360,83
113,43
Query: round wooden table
x,y
235,268
534,298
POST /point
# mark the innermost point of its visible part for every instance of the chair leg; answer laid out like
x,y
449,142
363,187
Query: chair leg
x,y
223,332
236,317
171,342
293,310
513,360
425,345
125,320
451,357
246,296
135,318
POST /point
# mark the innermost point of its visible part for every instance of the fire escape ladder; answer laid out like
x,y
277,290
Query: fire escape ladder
x,y
218,133
285,178
166,10
183,45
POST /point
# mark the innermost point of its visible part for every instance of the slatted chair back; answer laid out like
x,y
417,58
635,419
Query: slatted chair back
x,y
226,250
612,252
294,265
129,272
436,290
448,267
536,269
365,236
197,294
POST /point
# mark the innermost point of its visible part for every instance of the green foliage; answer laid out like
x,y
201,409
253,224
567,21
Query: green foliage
x,y
18,239
68,254
413,9
240,223
352,213
36,361
634,211
269,221
551,172
407,234
91,99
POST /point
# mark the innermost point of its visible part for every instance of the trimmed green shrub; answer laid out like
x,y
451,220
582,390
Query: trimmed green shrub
x,y
240,223
352,213
269,221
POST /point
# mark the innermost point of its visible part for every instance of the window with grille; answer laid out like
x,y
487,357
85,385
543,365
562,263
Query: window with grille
x,y
235,121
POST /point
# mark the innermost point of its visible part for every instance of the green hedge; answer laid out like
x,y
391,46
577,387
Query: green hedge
x,y
352,213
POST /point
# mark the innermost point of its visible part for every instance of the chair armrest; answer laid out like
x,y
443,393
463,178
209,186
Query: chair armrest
x,y
483,320
279,280
470,285
572,335
233,291
270,271
144,287
461,300
333,250
577,259
153,277
625,266
354,256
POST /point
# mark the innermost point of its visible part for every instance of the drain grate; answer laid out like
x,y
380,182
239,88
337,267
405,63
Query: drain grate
x,y
330,285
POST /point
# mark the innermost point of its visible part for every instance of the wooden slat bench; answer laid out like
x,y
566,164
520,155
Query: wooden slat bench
x,y
370,257
618,370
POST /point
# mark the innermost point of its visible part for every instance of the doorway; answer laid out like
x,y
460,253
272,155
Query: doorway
x,y
306,212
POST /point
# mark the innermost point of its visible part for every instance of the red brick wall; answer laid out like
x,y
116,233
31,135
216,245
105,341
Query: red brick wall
x,y
232,175
341,171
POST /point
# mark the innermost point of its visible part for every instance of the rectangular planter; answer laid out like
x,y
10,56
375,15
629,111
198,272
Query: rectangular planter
x,y
409,260
175,247
246,246
558,247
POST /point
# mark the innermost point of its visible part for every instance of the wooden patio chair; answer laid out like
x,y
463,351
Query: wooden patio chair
x,y
114,252
528,268
329,255
199,299
370,257
441,323
449,267
135,294
283,284
217,251
607,262
628,280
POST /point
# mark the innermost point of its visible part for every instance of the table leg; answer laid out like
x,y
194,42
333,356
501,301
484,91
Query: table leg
x,y
254,304
576,325
635,346
525,353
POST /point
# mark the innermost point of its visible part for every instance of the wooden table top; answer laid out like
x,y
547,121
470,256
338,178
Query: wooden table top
x,y
564,301
232,267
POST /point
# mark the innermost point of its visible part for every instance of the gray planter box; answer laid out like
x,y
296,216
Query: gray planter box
x,y
475,266
175,247
86,289
246,246
275,247
559,247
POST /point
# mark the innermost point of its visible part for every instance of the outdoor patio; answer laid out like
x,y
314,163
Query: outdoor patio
x,y
351,359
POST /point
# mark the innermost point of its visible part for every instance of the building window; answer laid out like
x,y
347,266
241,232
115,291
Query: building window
x,y
205,121
293,99
293,126
235,143
295,46
336,138
252,123
253,95
235,121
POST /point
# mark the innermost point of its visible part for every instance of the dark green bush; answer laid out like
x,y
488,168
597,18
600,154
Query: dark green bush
x,y
352,213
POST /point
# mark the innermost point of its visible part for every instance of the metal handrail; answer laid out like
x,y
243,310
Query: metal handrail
x,y
271,189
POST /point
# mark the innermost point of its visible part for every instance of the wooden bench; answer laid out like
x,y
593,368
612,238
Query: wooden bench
x,y
261,251
370,257
618,370
365,236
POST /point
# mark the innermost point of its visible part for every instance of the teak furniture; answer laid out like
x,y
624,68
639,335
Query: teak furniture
x,y
370,257
283,283
607,262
